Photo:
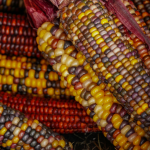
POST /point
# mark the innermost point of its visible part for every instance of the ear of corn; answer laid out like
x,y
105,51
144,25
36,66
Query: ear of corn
x,y
122,69
19,132
65,116
99,103
30,76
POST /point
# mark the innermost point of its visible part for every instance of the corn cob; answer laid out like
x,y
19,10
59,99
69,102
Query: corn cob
x,y
144,7
121,73
19,132
20,76
13,6
56,114
100,104
17,37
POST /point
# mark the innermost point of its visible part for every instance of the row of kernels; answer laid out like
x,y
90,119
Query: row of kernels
x,y
14,31
39,101
13,20
20,50
9,15
25,64
18,40
13,6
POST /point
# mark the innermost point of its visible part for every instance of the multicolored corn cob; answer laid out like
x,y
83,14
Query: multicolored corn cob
x,y
30,76
19,132
95,97
55,114
17,37
13,6
97,38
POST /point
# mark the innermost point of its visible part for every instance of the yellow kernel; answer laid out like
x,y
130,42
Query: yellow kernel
x,y
107,106
118,65
97,89
81,15
139,111
144,106
99,94
3,131
62,143
36,121
115,39
104,48
97,37
43,46
95,118
50,91
15,139
125,84
88,111
103,21
87,12
123,142
100,40
70,78
24,126
85,77
49,27
119,137
134,61
108,76
95,33
9,80
105,114
118,78
95,79
93,29
100,101
117,123
115,117
116,20
8,143
42,33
